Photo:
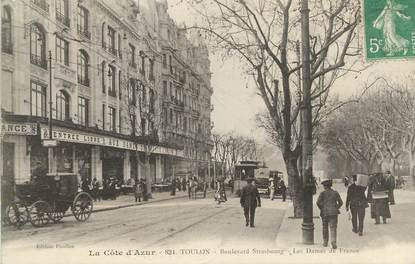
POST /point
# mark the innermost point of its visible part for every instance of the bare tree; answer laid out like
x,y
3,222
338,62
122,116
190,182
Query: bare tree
x,y
263,34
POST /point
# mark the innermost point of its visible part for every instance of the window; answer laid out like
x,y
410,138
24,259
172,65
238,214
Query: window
x,y
119,46
151,75
104,44
103,74
131,92
133,121
83,111
143,126
171,116
165,88
103,116
111,80
62,12
112,118
37,99
120,121
131,59
83,63
144,95
37,46
6,30
143,63
170,65
62,51
111,41
164,61
120,84
185,124
152,99
83,22
62,106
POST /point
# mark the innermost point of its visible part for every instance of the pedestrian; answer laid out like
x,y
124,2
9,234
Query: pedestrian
x,y
271,188
178,185
145,191
283,189
231,183
193,187
250,200
138,191
356,201
184,183
346,181
205,187
95,190
329,203
173,187
189,189
379,198
390,181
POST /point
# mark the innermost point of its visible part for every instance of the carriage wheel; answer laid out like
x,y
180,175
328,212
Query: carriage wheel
x,y
82,206
40,213
17,214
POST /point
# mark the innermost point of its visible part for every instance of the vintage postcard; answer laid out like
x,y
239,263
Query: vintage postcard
x,y
207,131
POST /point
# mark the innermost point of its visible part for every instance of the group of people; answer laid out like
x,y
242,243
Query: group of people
x,y
379,195
277,186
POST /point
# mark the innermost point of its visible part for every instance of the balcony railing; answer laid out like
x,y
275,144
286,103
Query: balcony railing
x,y
112,93
84,32
7,47
63,19
42,4
113,51
83,80
39,61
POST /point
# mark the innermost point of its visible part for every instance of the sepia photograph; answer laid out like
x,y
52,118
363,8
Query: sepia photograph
x,y
207,131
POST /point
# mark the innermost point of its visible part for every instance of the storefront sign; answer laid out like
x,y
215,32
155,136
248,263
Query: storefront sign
x,y
88,138
49,143
19,129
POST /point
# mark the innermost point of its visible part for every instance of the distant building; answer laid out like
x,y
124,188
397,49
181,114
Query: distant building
x,y
108,89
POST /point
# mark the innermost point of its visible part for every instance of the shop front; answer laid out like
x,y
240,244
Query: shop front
x,y
112,164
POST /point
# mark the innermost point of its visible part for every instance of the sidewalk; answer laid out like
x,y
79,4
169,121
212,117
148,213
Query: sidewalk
x,y
393,242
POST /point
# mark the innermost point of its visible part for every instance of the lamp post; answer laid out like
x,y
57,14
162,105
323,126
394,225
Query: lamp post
x,y
306,112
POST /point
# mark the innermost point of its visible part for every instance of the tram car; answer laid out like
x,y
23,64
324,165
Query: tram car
x,y
243,171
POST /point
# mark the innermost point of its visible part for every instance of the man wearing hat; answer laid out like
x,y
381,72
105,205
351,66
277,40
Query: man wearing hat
x,y
329,203
249,201
357,202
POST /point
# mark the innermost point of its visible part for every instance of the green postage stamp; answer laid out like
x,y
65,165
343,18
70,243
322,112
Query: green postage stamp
x,y
389,28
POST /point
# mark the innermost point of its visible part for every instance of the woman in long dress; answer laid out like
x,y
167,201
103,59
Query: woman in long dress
x,y
386,21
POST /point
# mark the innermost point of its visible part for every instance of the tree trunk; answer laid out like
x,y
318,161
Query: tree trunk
x,y
294,184
411,156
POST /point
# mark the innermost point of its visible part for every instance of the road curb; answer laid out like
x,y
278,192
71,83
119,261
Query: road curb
x,y
135,204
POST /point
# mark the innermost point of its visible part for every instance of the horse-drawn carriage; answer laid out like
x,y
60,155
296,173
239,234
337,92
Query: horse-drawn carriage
x,y
47,200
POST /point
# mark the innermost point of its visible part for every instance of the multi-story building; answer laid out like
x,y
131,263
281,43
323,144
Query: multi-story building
x,y
99,69
185,95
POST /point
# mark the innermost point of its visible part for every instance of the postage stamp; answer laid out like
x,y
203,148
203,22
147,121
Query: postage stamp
x,y
389,29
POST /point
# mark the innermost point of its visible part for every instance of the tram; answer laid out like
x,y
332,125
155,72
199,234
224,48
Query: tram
x,y
244,170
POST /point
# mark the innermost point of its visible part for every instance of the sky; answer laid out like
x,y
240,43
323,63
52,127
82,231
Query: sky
x,y
236,103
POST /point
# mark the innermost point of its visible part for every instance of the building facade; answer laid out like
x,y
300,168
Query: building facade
x,y
98,68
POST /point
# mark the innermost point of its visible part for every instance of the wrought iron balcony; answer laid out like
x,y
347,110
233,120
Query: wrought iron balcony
x,y
63,19
113,51
83,80
84,32
39,61
42,4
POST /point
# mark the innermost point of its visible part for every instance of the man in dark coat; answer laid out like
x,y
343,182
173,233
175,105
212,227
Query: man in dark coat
x,y
357,202
249,201
329,203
